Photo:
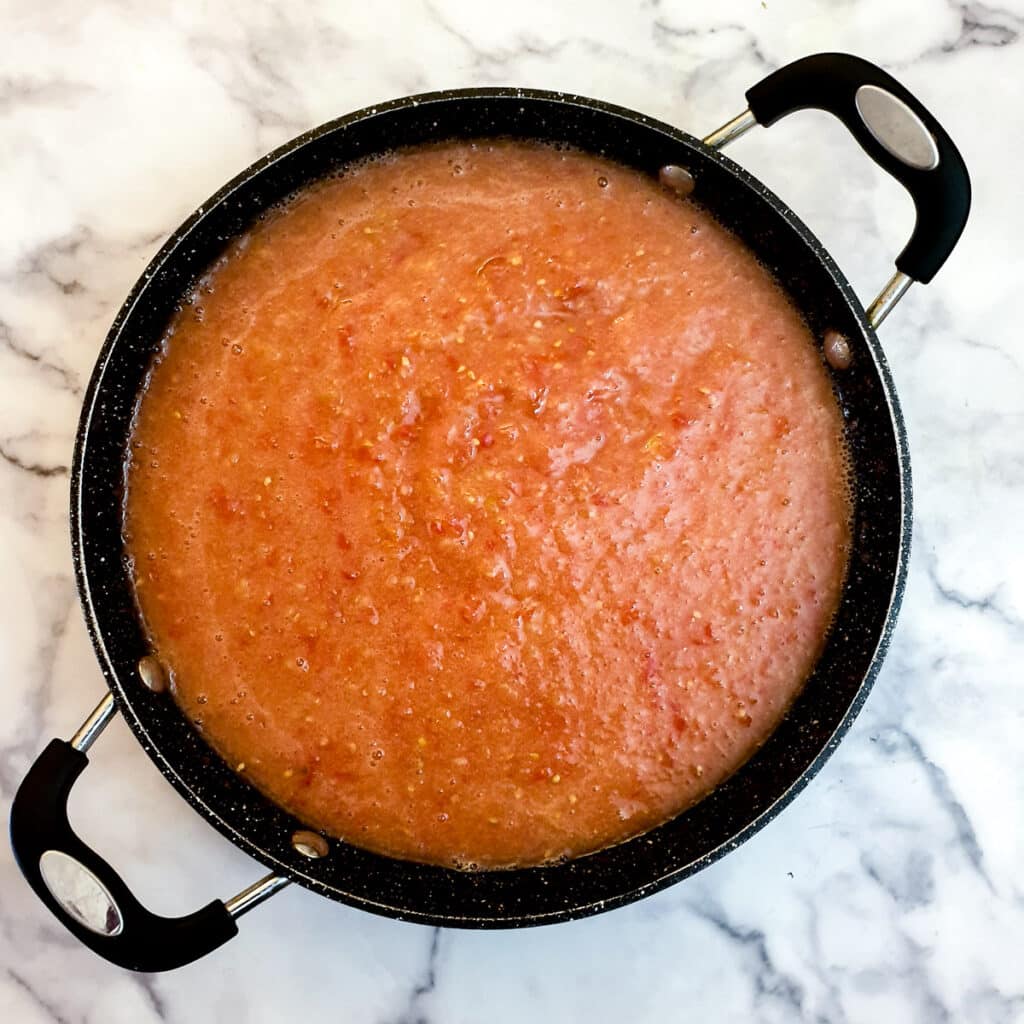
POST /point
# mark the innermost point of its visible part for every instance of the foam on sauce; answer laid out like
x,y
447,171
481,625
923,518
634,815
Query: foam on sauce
x,y
488,504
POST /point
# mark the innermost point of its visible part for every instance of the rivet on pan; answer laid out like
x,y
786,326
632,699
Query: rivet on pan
x,y
837,350
309,844
678,179
152,674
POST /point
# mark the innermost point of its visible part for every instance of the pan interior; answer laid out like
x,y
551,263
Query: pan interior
x,y
688,842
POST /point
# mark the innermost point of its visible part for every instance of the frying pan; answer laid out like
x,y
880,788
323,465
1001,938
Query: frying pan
x,y
87,894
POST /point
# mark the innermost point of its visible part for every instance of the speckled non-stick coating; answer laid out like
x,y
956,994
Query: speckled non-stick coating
x,y
696,837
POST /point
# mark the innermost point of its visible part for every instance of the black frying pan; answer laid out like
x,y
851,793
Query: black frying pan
x,y
88,896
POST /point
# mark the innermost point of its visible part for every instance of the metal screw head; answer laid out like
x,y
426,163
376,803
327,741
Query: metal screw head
x,y
310,844
152,674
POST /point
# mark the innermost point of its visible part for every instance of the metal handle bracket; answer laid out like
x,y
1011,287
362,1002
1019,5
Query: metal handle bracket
x,y
896,131
85,893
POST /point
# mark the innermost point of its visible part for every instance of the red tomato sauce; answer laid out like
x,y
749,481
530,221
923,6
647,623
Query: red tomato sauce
x,y
488,504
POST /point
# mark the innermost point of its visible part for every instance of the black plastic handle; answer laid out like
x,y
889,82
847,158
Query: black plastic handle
x,y
941,194
145,941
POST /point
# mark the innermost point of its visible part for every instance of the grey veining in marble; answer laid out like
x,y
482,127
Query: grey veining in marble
x,y
891,889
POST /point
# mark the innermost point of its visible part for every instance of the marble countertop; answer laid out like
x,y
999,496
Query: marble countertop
x,y
891,889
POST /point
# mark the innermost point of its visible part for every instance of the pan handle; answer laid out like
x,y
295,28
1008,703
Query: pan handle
x,y
896,130
85,893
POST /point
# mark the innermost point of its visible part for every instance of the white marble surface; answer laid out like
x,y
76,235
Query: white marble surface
x,y
891,890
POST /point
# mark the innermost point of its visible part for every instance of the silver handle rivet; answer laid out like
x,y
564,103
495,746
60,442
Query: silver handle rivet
x,y
310,844
678,179
152,674
837,350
